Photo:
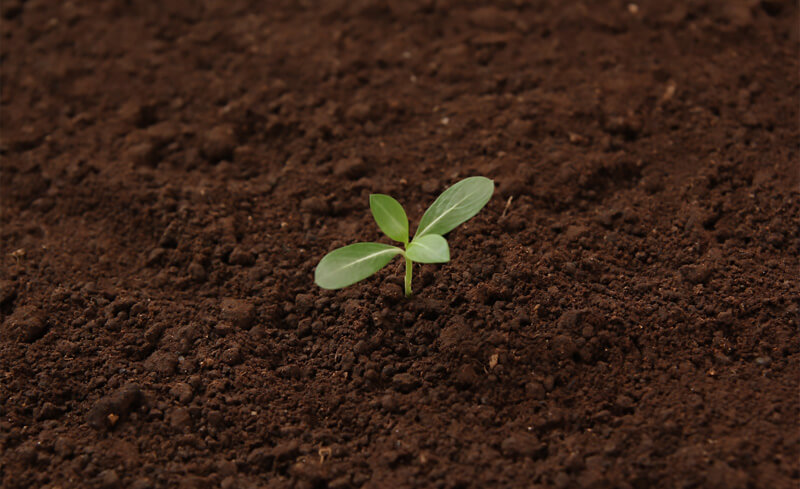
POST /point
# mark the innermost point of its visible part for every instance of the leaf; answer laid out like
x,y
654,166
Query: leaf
x,y
456,204
390,216
430,248
350,264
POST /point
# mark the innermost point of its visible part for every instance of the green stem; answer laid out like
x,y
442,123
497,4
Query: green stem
x,y
408,276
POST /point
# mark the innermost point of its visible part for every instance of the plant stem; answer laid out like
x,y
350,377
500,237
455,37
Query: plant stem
x,y
408,276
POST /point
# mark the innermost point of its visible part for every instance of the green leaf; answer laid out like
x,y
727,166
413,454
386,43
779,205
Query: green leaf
x,y
350,264
456,204
430,248
390,216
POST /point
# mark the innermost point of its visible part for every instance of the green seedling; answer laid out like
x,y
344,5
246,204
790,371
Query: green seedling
x,y
353,263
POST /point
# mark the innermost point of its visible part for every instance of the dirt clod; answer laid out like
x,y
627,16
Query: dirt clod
x,y
522,445
162,362
352,168
466,377
405,382
108,479
119,403
238,312
564,347
27,324
218,143
232,356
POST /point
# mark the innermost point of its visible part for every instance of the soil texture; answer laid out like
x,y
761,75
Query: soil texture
x,y
623,314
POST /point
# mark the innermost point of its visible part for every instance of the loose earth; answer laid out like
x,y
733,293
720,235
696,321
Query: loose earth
x,y
623,314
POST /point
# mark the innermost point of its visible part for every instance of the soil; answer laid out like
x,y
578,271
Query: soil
x,y
623,314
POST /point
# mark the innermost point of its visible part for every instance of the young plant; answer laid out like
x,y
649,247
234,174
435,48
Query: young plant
x,y
353,263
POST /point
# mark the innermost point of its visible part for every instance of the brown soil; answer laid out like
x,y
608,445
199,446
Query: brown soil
x,y
623,314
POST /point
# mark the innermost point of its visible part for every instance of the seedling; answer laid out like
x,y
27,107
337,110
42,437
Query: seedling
x,y
353,263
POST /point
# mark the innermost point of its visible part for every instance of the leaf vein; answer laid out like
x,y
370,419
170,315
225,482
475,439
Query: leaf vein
x,y
422,232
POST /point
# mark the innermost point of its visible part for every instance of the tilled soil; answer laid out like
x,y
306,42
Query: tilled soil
x,y
623,314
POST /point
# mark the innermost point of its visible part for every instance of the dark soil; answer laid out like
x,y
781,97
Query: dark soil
x,y
623,314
